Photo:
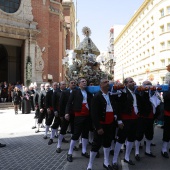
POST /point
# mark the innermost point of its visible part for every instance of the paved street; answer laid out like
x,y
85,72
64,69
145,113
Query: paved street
x,y
27,150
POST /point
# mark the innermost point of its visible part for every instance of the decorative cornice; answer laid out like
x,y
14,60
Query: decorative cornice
x,y
145,3
55,11
20,33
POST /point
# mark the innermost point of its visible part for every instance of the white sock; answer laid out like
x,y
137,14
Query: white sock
x,y
106,155
91,160
42,122
56,132
46,130
38,126
84,145
148,146
72,144
129,146
116,152
80,140
137,144
60,138
53,131
112,145
164,146
91,136
36,120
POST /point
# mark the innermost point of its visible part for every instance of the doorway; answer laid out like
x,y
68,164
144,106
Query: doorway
x,y
10,63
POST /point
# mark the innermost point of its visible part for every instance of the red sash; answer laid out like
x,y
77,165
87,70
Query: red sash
x,y
109,118
84,111
166,113
125,116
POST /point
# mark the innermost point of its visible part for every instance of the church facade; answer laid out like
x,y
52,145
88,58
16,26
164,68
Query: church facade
x,y
33,38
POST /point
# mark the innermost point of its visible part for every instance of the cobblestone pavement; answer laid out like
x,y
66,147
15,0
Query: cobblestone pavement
x,y
27,150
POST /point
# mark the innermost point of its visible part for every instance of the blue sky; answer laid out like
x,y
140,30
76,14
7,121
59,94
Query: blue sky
x,y
101,15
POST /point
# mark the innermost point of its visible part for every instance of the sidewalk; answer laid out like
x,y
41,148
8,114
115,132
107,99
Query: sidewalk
x,y
26,150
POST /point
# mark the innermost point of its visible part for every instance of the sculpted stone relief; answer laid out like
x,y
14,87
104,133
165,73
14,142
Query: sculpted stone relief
x,y
39,63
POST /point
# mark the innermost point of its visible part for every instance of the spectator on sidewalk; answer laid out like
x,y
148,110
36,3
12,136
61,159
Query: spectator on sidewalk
x,y
16,98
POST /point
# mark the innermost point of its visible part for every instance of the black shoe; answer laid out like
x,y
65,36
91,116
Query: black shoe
x,y
107,167
50,142
98,155
75,148
80,145
56,136
58,150
111,152
165,154
140,146
130,162
45,137
153,144
85,155
115,166
2,145
121,150
69,158
33,127
37,131
65,141
89,169
137,157
150,154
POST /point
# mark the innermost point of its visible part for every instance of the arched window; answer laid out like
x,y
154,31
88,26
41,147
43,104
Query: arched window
x,y
9,6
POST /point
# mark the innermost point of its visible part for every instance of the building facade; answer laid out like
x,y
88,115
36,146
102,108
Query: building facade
x,y
33,38
142,49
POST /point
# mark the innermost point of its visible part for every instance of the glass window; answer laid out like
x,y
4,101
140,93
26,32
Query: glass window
x,y
168,10
163,63
168,44
9,6
168,27
162,45
162,28
162,12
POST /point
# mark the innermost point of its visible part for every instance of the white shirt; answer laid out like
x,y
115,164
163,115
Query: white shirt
x,y
84,93
109,106
134,101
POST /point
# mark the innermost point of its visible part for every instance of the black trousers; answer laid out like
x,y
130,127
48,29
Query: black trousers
x,y
49,118
144,127
105,139
81,127
56,123
65,123
128,132
42,116
166,131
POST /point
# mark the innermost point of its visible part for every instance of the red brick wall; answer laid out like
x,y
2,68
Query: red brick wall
x,y
51,37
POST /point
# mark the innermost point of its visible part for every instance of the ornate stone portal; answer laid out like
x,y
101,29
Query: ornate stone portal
x,y
20,25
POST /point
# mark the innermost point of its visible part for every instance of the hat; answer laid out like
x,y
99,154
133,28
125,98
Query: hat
x,y
168,65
